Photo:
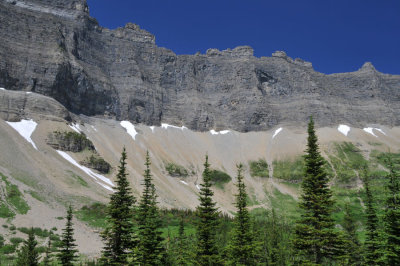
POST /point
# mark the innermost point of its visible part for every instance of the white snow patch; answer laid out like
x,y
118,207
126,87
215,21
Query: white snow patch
x,y
344,129
222,132
198,187
76,128
183,182
370,130
152,129
2,89
85,169
25,128
166,126
277,132
380,130
105,186
28,92
94,128
130,128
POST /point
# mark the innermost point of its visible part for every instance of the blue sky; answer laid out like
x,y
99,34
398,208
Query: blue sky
x,y
336,36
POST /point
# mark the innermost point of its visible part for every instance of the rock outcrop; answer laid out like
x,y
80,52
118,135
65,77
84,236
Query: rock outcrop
x,y
56,49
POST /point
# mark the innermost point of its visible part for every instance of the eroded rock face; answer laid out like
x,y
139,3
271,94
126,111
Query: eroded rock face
x,y
56,49
16,105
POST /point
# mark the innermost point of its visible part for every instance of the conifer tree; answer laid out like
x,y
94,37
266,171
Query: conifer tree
x,y
350,228
182,254
28,254
372,244
316,241
241,249
67,250
150,249
392,216
119,234
47,257
206,251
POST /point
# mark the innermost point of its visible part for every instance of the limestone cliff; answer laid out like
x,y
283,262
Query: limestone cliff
x,y
56,49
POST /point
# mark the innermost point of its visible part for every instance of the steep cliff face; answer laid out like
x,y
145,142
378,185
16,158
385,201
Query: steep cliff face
x,y
56,49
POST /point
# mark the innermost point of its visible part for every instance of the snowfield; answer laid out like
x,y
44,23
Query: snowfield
x,y
344,129
25,128
277,132
86,170
130,128
76,128
222,132
370,130
166,126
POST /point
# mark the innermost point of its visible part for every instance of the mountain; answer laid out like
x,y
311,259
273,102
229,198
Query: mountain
x,y
73,94
56,49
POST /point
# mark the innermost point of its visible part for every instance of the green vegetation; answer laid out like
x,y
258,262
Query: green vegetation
x,y
176,170
346,162
316,240
16,240
94,161
70,141
259,168
290,170
36,195
36,230
14,201
94,215
219,178
77,179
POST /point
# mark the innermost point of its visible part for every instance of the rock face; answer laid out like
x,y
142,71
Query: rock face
x,y
56,49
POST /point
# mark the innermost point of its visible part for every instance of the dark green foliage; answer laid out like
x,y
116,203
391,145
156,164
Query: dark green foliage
x,y
316,241
259,168
176,170
36,230
207,252
392,216
16,240
47,257
291,170
70,141
119,234
353,244
347,161
1,241
372,244
67,251
28,254
218,177
150,249
95,215
180,247
242,248
97,163
14,200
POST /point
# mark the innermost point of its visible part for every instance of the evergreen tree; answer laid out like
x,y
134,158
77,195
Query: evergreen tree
x,y
182,254
372,244
67,250
119,235
150,250
241,249
28,255
47,257
353,248
207,252
316,241
392,216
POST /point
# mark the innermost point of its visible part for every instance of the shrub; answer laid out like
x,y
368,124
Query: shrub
x,y
176,170
97,163
259,168
218,177
16,240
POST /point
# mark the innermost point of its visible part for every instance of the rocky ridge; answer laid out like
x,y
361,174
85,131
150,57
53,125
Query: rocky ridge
x,y
55,48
